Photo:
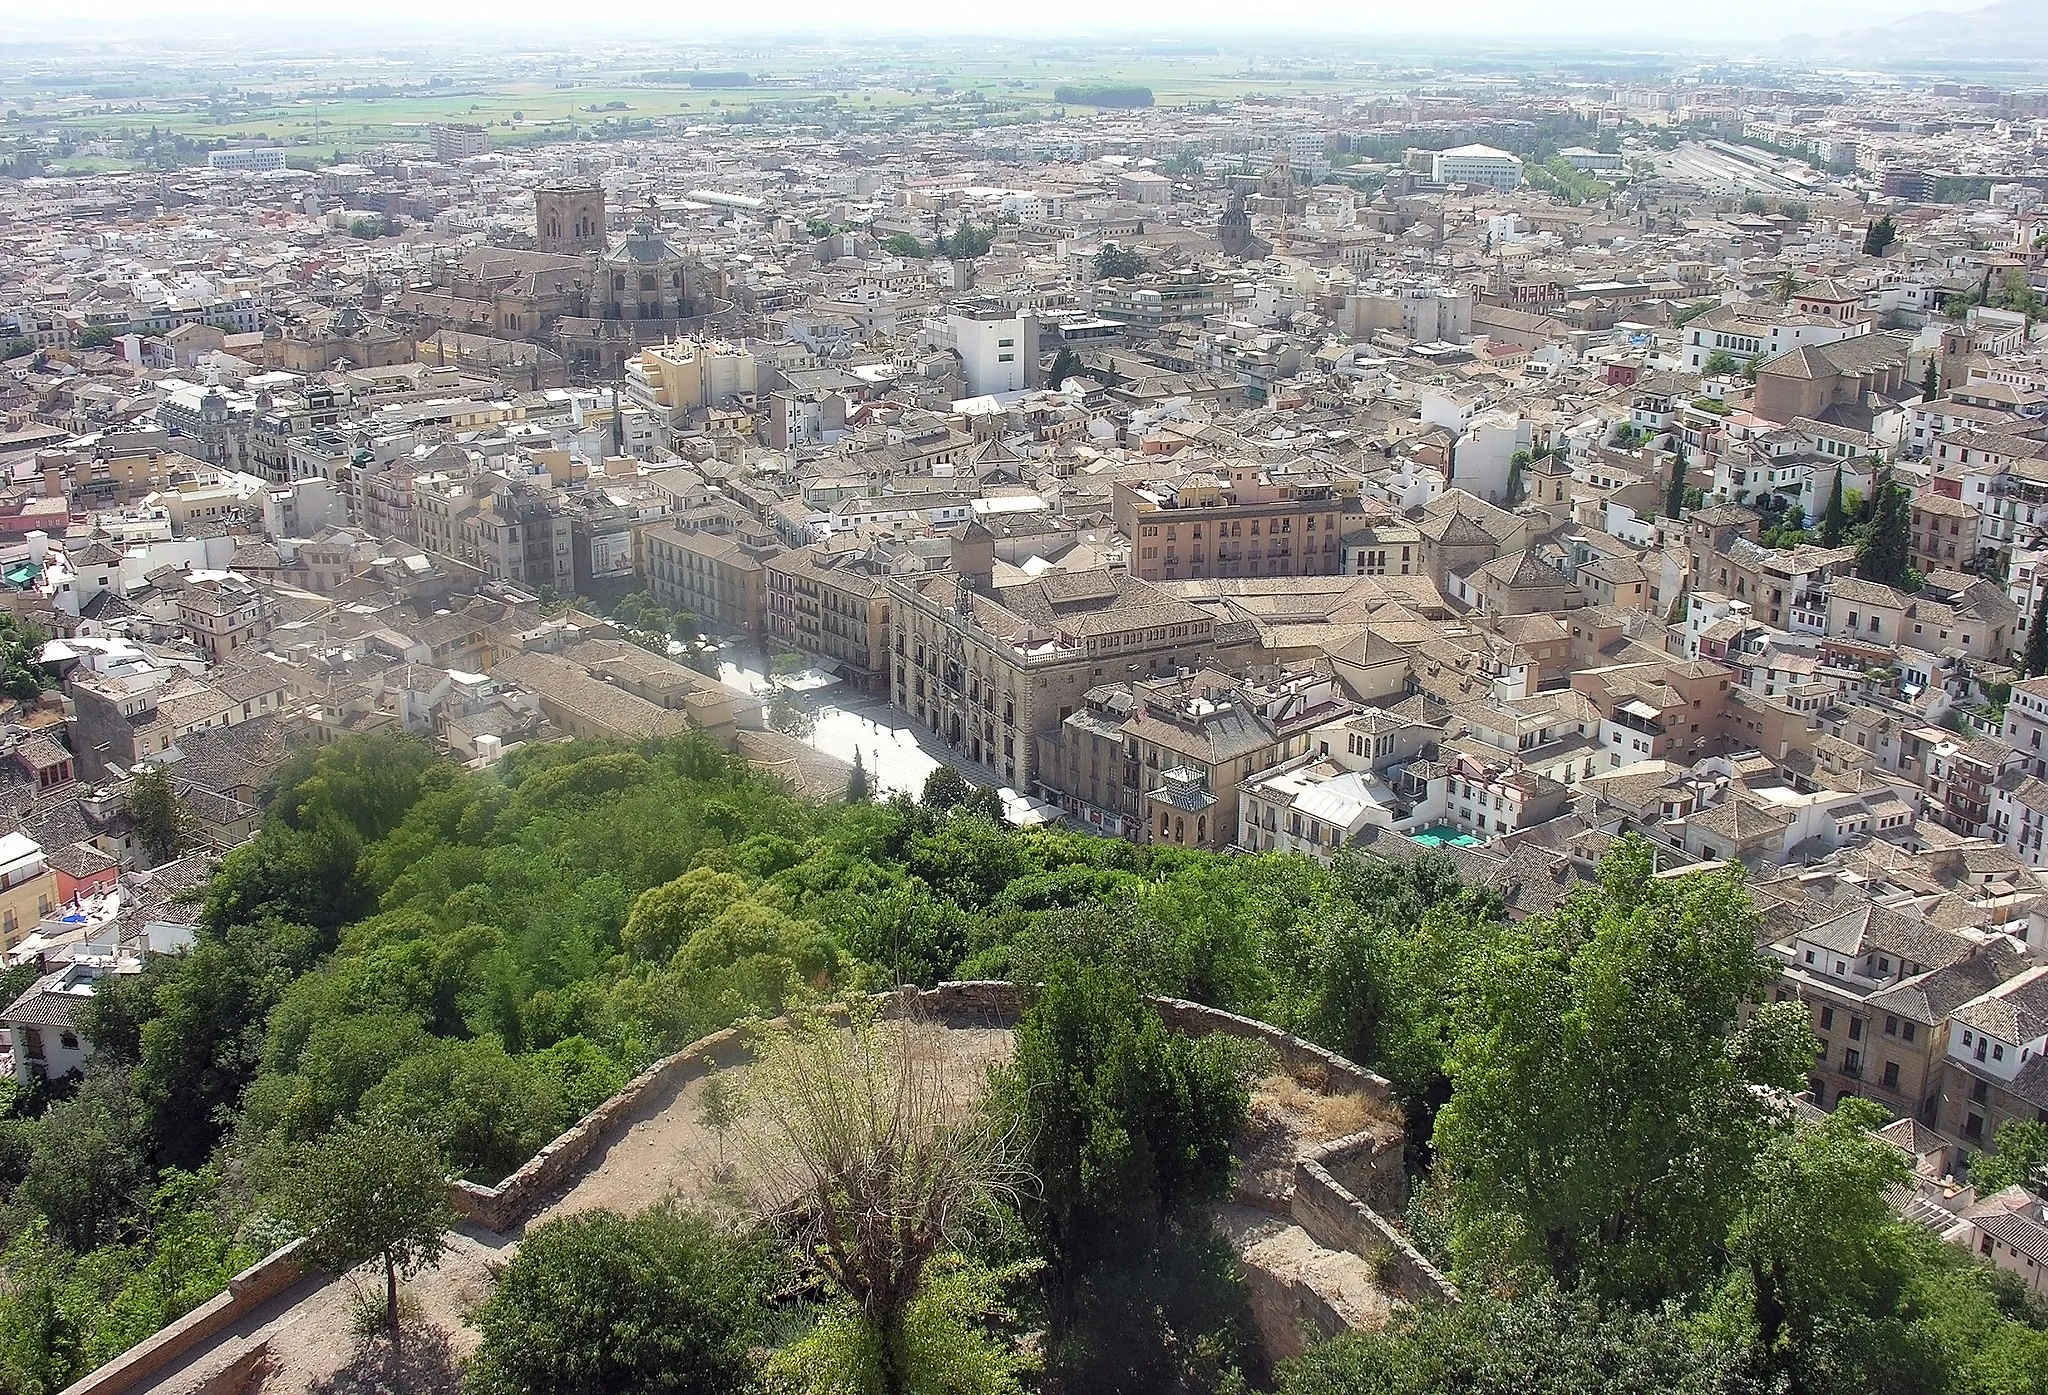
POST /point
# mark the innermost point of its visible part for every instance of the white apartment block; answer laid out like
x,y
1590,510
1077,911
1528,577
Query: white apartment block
x,y
1476,164
251,159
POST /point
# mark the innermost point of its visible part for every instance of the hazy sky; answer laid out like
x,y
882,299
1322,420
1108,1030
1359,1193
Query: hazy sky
x,y
1731,25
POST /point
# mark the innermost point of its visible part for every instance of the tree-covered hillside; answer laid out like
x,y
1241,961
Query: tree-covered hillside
x,y
483,956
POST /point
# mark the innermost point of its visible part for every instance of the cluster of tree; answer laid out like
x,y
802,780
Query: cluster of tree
x,y
1627,1207
464,962
22,675
1102,95
1118,263
2014,292
966,241
640,612
368,228
1570,183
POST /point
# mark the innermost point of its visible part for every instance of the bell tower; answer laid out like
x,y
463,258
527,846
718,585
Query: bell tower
x,y
568,219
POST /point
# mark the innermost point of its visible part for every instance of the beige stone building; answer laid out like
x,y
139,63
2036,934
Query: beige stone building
x,y
990,670
722,578
833,606
1238,519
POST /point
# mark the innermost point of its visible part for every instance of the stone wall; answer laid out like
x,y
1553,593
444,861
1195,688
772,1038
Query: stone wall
x,y
988,1002
1371,1167
512,1200
1301,1059
1340,1221
246,1292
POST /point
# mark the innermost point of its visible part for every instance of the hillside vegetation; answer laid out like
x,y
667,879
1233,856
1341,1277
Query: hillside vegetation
x,y
487,955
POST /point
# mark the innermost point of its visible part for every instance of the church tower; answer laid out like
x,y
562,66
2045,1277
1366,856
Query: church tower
x,y
569,218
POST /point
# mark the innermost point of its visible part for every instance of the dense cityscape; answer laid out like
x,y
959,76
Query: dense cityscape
x,y
1006,714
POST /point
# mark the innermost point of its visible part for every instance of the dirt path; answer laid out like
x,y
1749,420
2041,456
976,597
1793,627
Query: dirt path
x,y
663,1151
666,1150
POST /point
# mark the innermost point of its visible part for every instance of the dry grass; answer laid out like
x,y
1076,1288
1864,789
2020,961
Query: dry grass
x,y
1318,1117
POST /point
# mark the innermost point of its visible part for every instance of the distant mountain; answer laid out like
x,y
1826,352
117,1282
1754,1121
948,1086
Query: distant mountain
x,y
2012,30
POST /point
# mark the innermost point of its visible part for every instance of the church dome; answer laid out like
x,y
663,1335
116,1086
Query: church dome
x,y
644,246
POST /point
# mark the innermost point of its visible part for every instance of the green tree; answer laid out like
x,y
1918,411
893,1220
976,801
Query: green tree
x,y
158,816
1605,1101
1517,463
947,1349
1885,552
666,917
88,1167
1834,519
597,1302
1065,364
21,645
969,241
1674,491
1820,1266
95,336
945,788
1721,363
902,244
1536,1343
2036,658
1118,263
859,1138
857,791
1930,382
2019,1150
373,1188
1127,1124
1879,236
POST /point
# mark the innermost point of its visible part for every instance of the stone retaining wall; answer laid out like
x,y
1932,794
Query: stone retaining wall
x,y
246,1292
1371,1167
1349,1222
1340,1221
985,1001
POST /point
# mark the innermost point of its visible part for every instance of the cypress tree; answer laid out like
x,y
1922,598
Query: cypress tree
x,y
1674,492
1930,385
1834,520
2037,639
1884,556
857,782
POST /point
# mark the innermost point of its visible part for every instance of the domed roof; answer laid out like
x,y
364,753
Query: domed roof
x,y
644,246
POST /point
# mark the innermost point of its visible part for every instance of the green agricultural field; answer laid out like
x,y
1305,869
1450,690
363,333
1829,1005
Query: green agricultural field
x,y
927,87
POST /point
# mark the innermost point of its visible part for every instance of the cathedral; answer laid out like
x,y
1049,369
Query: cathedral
x,y
591,299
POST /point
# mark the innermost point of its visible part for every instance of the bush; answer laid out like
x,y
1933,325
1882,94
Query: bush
x,y
599,1302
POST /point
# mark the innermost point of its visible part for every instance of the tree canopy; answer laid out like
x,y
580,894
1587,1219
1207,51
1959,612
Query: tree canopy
x,y
1604,1100
662,1303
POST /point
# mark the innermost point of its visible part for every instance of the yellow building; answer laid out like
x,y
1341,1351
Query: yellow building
x,y
28,888
689,375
